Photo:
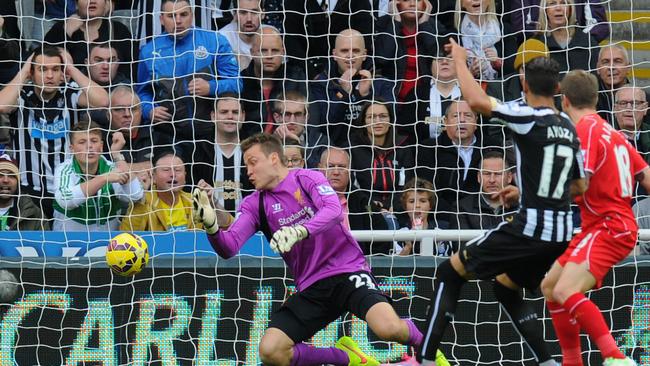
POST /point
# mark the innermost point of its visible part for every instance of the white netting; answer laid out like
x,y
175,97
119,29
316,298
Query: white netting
x,y
64,306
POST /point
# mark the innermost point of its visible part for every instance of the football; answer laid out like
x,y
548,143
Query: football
x,y
127,254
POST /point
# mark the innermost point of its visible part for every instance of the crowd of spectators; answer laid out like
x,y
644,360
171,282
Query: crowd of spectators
x,y
110,120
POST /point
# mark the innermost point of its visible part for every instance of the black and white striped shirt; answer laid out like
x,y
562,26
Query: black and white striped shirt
x,y
40,135
548,159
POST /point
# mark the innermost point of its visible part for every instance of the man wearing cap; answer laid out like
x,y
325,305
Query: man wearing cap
x,y
511,87
17,212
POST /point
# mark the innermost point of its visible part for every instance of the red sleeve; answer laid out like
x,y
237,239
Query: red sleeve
x,y
589,135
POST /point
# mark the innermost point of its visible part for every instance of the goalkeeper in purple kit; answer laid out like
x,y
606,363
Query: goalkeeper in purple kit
x,y
304,215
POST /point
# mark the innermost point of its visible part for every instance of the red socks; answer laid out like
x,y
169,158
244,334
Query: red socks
x,y
587,314
568,333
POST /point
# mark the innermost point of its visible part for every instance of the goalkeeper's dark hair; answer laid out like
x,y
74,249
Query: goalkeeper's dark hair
x,y
543,76
268,143
580,88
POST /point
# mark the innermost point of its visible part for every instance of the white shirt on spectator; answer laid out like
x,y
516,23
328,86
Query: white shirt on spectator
x,y
241,49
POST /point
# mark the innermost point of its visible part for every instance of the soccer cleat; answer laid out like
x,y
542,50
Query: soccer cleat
x,y
356,355
407,360
611,361
441,360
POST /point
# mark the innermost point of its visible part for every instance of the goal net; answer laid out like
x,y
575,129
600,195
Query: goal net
x,y
173,88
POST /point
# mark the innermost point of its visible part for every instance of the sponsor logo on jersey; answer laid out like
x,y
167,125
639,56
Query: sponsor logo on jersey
x,y
298,196
326,190
297,218
277,207
200,52
43,129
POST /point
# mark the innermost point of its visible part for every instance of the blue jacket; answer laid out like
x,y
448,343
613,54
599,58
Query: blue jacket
x,y
167,65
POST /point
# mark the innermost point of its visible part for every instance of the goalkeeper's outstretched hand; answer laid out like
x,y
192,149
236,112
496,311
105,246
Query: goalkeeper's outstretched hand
x,y
203,211
286,237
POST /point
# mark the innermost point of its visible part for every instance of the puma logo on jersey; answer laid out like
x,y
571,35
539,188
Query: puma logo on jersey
x,y
557,132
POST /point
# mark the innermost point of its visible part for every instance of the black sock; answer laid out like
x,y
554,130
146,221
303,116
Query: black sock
x,y
524,318
446,291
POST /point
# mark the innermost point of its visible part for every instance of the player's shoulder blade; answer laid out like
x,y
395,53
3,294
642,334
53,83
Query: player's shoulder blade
x,y
555,128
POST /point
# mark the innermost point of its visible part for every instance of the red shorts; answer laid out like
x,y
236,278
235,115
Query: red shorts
x,y
601,246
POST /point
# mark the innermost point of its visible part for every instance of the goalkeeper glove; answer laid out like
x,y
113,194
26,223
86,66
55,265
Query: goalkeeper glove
x,y
203,211
286,237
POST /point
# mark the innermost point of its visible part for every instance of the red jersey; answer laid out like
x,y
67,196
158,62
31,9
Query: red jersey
x,y
613,164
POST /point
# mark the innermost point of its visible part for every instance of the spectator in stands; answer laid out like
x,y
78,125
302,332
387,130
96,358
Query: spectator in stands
x,y
220,165
418,201
46,109
483,210
290,117
166,207
88,188
244,27
180,73
92,24
10,56
337,96
567,44
103,66
359,211
613,70
381,160
480,33
590,16
421,117
294,153
311,27
630,108
47,13
511,88
265,79
208,14
17,211
451,162
126,120
401,39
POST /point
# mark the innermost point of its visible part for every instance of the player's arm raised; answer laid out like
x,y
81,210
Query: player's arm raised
x,y
226,243
471,90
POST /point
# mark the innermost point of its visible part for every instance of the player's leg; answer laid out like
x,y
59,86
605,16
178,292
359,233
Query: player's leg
x,y
276,348
566,327
446,290
300,317
587,264
524,317
569,292
359,294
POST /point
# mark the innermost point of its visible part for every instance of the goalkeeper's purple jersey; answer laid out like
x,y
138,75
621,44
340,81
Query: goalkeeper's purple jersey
x,y
305,198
